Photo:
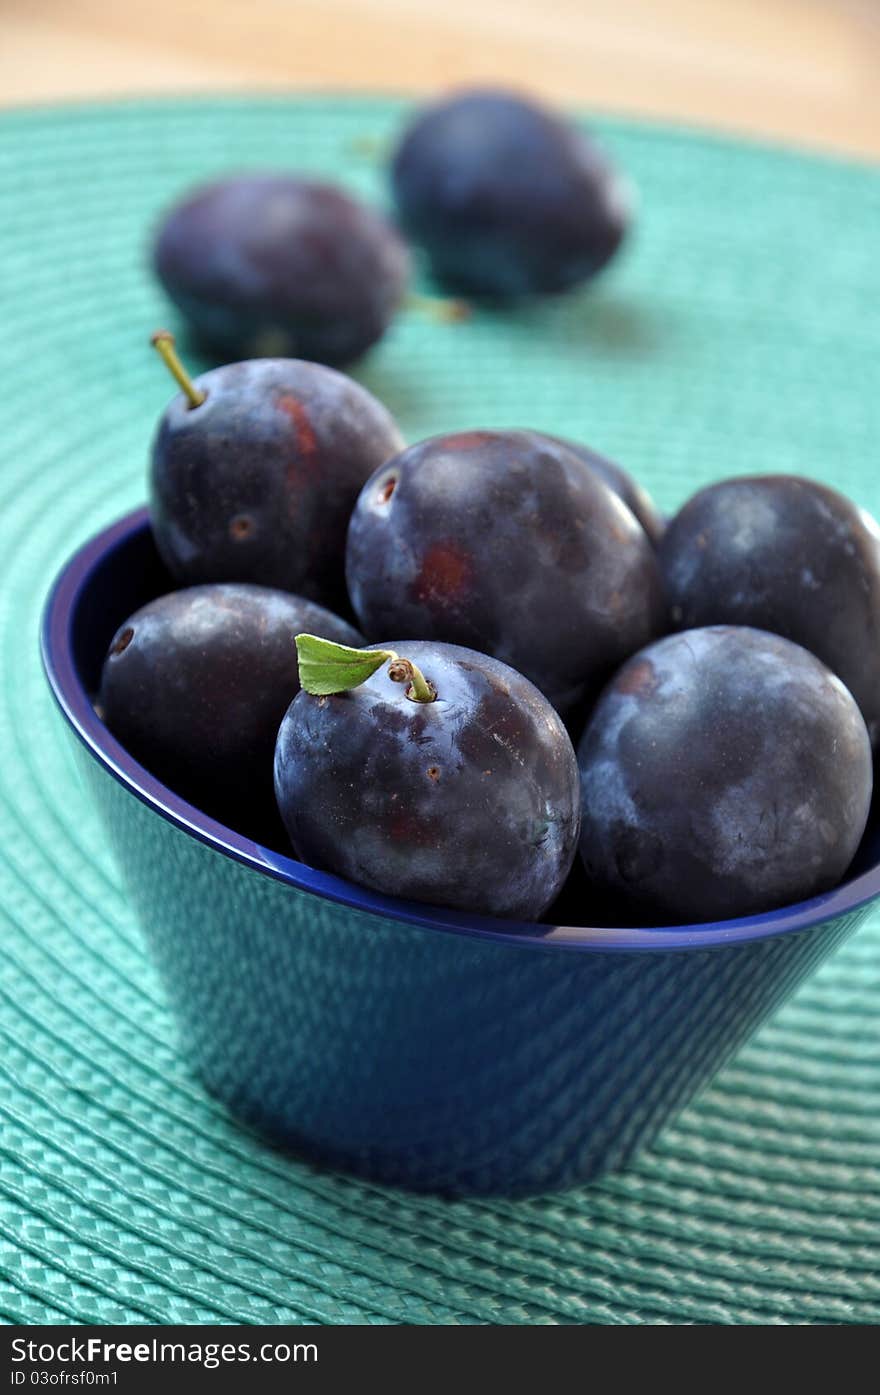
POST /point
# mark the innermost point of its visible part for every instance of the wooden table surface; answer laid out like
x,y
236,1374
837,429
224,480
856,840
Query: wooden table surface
x,y
802,70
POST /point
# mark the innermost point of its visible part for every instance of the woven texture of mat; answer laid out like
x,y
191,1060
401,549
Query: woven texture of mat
x,y
739,333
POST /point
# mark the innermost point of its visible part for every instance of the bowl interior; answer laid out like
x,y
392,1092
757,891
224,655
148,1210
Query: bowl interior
x,y
120,570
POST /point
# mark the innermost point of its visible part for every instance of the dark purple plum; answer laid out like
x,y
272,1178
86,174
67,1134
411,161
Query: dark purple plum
x,y
724,772
195,685
258,481
637,499
271,264
469,800
788,555
506,542
505,197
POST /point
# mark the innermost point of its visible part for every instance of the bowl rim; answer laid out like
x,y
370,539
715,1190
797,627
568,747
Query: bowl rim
x,y
73,699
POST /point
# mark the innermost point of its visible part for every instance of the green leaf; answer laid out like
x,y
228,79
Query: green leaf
x,y
325,667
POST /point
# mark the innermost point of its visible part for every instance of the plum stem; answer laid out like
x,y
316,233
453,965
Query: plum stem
x,y
326,667
439,308
405,671
163,343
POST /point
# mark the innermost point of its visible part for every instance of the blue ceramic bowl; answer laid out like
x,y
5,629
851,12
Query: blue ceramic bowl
x,y
415,1046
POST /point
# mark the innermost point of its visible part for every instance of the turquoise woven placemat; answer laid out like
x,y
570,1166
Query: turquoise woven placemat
x,y
738,334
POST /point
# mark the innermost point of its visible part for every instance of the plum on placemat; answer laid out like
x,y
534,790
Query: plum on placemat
x,y
272,264
506,198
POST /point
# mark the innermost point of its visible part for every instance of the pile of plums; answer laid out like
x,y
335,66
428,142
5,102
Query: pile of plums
x,y
515,593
